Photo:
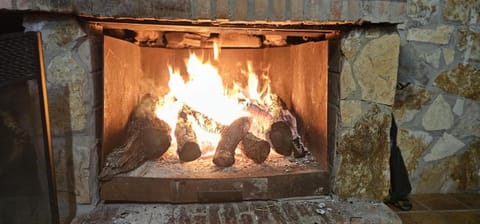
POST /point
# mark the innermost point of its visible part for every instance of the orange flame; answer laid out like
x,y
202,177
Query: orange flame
x,y
204,93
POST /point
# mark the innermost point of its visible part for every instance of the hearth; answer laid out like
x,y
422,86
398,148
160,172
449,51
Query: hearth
x,y
202,113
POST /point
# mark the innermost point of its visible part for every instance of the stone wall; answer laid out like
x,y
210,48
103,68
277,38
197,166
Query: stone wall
x,y
368,75
438,113
310,11
72,72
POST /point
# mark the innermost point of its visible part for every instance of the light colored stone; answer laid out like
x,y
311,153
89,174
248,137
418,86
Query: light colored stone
x,y
445,146
412,145
351,44
347,83
455,174
84,55
376,69
66,81
464,80
363,157
438,116
435,177
58,34
469,123
448,55
440,35
408,102
350,112
422,10
433,57
458,10
83,147
458,108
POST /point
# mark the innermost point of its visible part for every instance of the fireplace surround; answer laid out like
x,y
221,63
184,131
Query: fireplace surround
x,y
297,73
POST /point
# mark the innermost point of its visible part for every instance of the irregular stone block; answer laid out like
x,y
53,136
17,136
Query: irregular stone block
x,y
458,108
363,157
422,10
469,123
452,175
439,35
408,102
350,112
446,146
458,10
412,144
433,57
351,44
448,55
376,68
439,115
464,80
347,83
83,146
67,106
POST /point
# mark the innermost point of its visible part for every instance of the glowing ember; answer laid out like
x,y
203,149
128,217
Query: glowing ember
x,y
205,94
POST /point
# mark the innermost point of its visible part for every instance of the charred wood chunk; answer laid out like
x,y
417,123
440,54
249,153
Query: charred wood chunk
x,y
204,121
147,138
281,138
187,146
255,148
231,136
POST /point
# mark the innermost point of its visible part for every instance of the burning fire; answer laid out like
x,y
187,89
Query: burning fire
x,y
205,93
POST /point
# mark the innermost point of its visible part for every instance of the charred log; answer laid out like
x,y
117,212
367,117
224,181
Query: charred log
x,y
187,146
231,136
281,138
147,138
204,121
255,148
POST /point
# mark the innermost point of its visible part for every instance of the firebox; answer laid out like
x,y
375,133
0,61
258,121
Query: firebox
x,y
202,113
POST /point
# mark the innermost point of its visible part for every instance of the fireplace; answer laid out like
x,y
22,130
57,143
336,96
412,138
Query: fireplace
x,y
272,77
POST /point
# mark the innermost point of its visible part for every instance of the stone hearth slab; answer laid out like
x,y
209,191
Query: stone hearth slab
x,y
292,210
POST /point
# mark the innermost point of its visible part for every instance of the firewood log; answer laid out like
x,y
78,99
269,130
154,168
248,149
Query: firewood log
x,y
280,137
147,138
187,146
231,136
255,148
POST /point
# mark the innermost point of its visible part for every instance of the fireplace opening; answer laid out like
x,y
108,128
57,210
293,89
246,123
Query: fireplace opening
x,y
194,114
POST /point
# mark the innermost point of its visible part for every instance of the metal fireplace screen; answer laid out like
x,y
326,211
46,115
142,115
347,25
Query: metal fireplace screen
x,y
27,191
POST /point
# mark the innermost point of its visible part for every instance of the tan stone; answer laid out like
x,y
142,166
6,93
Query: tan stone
x,y
351,44
445,146
458,10
347,83
350,112
412,144
448,55
452,175
67,88
439,35
82,149
464,80
376,69
408,102
435,177
438,116
422,10
363,157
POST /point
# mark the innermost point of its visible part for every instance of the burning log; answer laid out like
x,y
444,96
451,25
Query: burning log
x,y
255,148
231,136
148,138
281,138
203,121
187,146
